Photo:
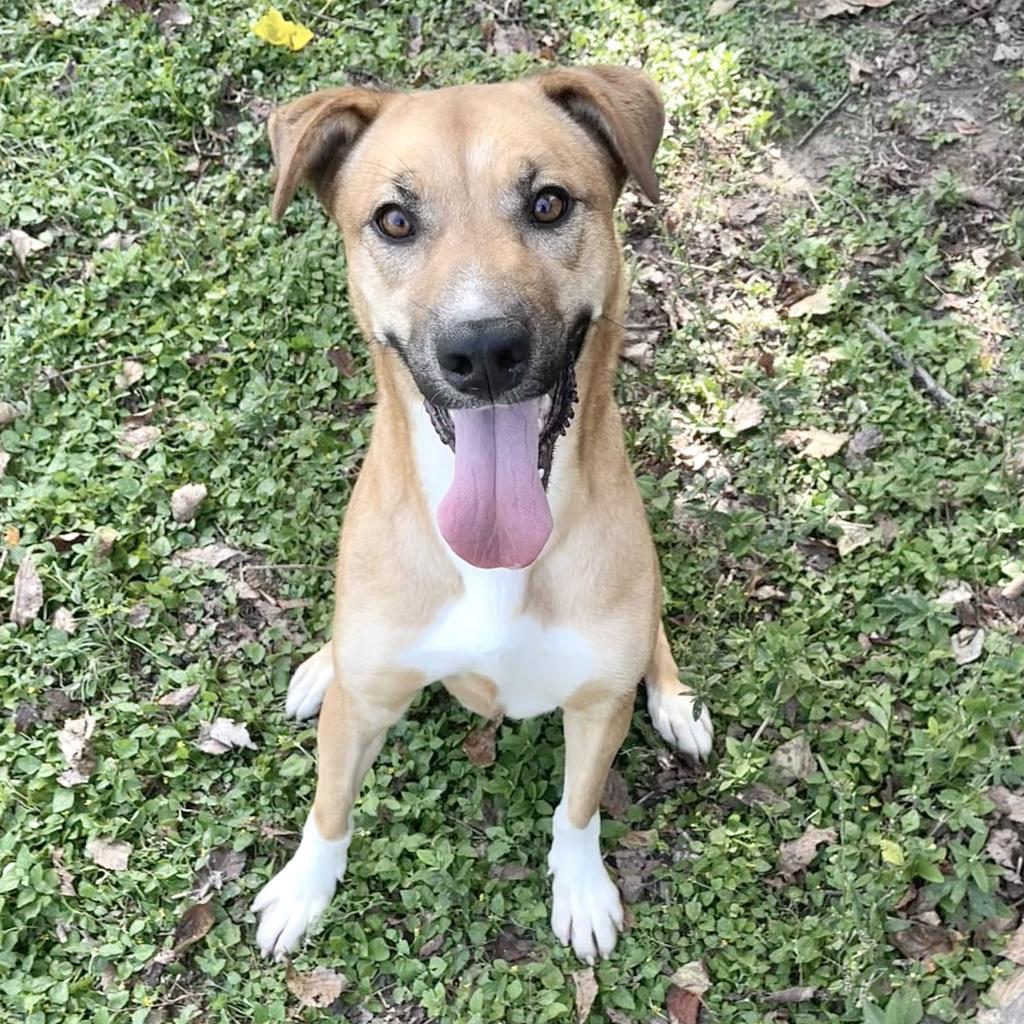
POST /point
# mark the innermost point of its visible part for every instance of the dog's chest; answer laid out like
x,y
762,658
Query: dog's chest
x,y
534,667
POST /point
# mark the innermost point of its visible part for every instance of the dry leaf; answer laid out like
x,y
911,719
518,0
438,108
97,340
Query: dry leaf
x,y
5,458
1004,848
813,443
1006,53
25,245
185,500
48,21
137,440
132,371
693,977
138,615
73,740
505,40
88,8
222,735
637,839
922,941
12,536
852,535
586,993
1008,803
171,17
223,865
746,414
866,440
277,30
118,240
179,699
9,412
685,990
794,760
194,924
317,988
817,303
111,854
821,9
639,353
967,645
66,879
796,855
64,621
342,360
1014,949
615,797
860,70
720,7
104,539
28,594
955,592
479,745
1011,591
787,996
211,556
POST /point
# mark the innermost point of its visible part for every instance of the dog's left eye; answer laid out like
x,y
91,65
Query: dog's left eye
x,y
549,206
393,222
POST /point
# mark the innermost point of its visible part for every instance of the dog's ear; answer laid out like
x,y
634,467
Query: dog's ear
x,y
620,108
311,137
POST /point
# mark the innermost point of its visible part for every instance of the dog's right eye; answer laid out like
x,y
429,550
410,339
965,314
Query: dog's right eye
x,y
394,223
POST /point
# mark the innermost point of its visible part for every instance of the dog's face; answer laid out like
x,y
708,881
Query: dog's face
x,y
478,220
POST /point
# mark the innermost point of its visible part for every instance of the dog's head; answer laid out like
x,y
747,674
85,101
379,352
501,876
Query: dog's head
x,y
478,225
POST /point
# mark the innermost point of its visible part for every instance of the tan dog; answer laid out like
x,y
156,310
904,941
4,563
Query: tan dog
x,y
494,540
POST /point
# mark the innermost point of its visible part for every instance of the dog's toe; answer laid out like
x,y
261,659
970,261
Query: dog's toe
x,y
672,715
586,913
308,685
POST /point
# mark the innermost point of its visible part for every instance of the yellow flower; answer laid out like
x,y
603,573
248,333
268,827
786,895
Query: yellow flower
x,y
274,28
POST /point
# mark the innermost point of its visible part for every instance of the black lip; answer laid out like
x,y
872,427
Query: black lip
x,y
564,396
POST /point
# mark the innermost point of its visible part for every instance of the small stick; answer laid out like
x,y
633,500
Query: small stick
x,y
816,127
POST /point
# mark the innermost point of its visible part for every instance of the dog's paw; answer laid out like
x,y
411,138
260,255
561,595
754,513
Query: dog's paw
x,y
299,892
672,715
309,684
586,909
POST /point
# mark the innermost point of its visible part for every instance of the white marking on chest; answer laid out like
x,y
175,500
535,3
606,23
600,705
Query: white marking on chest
x,y
484,630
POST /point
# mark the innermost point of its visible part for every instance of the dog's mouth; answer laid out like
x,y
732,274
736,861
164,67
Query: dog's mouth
x,y
496,513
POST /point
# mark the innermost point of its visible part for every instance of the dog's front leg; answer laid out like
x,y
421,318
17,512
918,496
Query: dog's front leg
x,y
586,909
351,732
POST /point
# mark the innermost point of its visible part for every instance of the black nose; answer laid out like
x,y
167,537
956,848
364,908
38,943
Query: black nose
x,y
484,358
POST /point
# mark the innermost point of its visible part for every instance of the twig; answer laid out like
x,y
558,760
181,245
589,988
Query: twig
x,y
815,128
287,565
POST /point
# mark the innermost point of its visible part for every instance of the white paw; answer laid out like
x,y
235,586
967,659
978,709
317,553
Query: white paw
x,y
586,909
672,716
309,683
299,892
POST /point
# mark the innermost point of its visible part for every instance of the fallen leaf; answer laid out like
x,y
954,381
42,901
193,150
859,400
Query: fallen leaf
x,y
818,303
132,371
118,240
111,854
135,441
224,864
222,735
179,699
211,556
103,541
955,592
67,540
513,948
171,17
66,879
787,996
12,536
1011,591
317,988
25,245
511,872
794,760
967,645
686,987
637,839
852,535
9,412
922,941
615,796
813,443
1014,949
746,414
1007,53
639,353
866,440
64,621
28,594
342,360
47,20
138,615
415,43
193,925
720,7
1004,848
797,854
1008,803
479,746
277,30
185,500
505,40
860,70
5,458
586,993
88,8
26,718
431,946
821,9
76,749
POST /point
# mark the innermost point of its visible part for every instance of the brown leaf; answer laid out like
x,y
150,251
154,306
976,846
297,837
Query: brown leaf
x,y
64,621
210,555
860,70
786,996
683,1007
639,353
103,541
794,760
1008,803
111,854
479,746
967,645
88,8
586,993
66,879
796,855
120,240
692,977
513,948
28,594
224,864
26,718
47,20
25,245
193,925
8,413
813,443
865,440
852,535
179,699
818,303
430,947
137,440
132,371
222,735
720,7
639,839
511,872
317,988
615,798
138,615
1004,848
921,941
74,741
171,17
504,40
185,500
1014,949
746,414
342,360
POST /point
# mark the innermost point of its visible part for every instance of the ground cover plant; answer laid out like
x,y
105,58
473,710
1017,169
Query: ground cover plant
x,y
822,383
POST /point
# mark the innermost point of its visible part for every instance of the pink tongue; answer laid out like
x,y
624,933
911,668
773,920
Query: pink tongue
x,y
495,514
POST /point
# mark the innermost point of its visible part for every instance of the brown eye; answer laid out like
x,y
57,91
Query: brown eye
x,y
550,205
393,222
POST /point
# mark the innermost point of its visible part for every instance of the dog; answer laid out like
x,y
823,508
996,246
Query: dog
x,y
495,539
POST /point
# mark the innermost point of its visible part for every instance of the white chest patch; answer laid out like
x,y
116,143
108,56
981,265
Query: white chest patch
x,y
483,631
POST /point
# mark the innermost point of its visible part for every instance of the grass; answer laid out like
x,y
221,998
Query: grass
x,y
109,127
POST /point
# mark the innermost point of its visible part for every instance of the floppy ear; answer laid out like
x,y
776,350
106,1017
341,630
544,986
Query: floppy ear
x,y
620,108
311,137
